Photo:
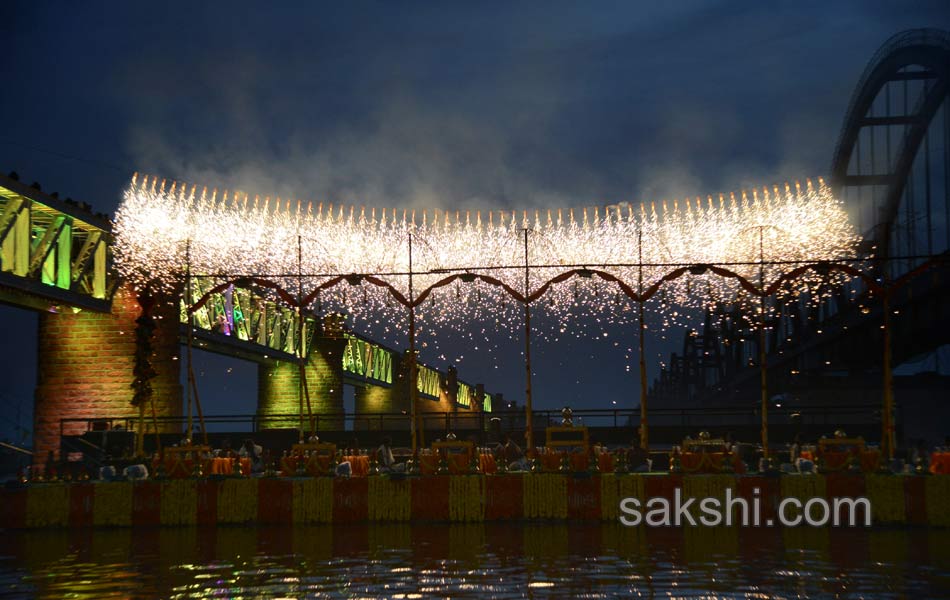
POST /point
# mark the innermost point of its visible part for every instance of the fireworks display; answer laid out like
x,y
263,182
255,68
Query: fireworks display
x,y
469,266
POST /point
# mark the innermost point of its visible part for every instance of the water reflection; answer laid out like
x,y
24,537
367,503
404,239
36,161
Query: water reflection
x,y
474,561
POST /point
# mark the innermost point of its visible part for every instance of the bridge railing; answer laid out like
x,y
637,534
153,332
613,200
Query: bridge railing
x,y
115,436
435,423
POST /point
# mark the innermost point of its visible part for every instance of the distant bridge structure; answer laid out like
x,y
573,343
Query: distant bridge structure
x,y
56,258
891,167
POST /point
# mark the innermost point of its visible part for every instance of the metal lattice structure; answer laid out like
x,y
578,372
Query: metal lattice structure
x,y
247,321
891,167
240,321
885,150
368,361
54,254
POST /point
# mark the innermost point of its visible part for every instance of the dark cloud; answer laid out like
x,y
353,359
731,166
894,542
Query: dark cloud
x,y
436,104
454,105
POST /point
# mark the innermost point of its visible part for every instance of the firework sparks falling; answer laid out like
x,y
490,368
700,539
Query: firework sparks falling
x,y
758,235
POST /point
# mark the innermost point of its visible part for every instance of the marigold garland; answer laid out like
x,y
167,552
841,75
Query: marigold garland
x,y
466,498
542,496
631,486
614,487
143,370
313,500
545,496
179,502
237,501
886,494
710,486
389,500
803,487
47,505
112,505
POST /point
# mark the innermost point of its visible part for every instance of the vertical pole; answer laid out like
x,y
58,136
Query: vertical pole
x,y
191,330
927,195
413,372
201,416
527,351
140,434
763,377
301,369
763,367
927,198
887,418
644,425
946,173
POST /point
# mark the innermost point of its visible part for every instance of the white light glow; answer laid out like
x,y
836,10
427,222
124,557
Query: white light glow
x,y
162,227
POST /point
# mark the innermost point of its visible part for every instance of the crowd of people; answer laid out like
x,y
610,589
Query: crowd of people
x,y
800,457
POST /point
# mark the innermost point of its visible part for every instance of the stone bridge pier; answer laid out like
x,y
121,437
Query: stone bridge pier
x,y
85,369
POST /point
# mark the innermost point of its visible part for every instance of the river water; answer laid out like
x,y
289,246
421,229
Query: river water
x,y
475,561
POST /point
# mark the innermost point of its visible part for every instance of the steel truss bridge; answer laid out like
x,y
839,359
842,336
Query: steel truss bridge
x,y
242,322
891,167
55,254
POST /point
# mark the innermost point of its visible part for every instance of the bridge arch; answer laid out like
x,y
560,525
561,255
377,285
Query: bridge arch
x,y
921,56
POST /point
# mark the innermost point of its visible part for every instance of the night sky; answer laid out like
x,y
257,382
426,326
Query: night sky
x,y
477,105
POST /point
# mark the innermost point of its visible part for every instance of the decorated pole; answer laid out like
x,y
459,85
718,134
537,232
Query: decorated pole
x,y
201,415
192,382
763,367
143,370
301,368
158,434
763,378
140,434
529,432
644,425
191,332
887,418
413,372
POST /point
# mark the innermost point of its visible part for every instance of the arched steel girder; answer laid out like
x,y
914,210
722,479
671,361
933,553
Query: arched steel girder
x,y
927,48
746,284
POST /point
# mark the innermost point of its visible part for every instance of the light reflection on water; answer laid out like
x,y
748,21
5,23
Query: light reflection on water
x,y
474,561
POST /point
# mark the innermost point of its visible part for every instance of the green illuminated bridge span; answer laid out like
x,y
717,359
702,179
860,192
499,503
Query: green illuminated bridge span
x,y
241,323
97,337
54,254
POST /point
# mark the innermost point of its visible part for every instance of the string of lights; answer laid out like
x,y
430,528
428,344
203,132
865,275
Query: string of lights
x,y
470,265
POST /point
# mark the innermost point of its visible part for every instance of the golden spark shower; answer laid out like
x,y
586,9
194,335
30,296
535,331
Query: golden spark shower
x,y
468,265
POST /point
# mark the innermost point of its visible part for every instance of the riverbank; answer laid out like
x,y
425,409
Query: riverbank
x,y
895,499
